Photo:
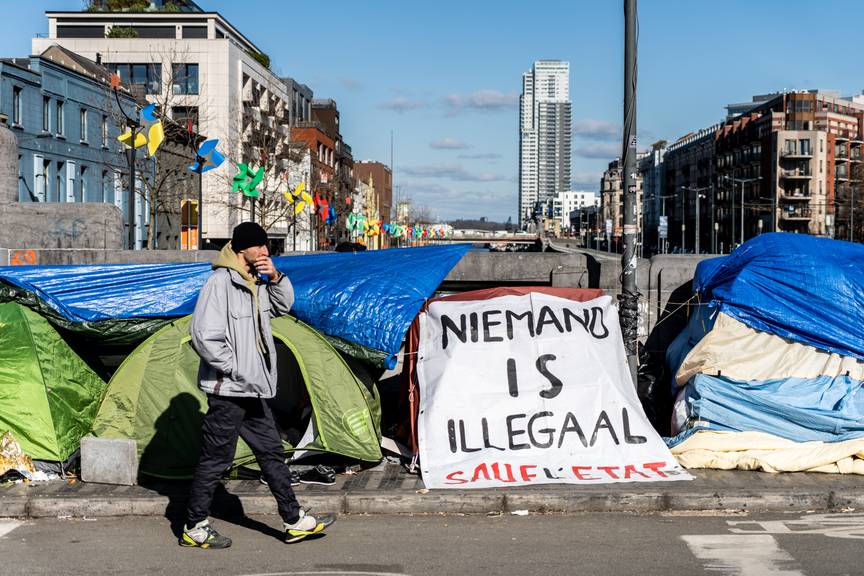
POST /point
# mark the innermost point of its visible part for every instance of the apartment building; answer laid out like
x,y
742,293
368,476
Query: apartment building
x,y
201,70
544,135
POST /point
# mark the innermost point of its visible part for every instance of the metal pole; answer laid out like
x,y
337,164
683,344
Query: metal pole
x,y
200,212
852,215
713,223
131,200
742,213
732,216
629,298
253,208
698,217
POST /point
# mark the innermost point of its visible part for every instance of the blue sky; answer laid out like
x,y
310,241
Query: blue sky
x,y
445,76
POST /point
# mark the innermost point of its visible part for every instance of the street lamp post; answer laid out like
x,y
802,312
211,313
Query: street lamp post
x,y
699,195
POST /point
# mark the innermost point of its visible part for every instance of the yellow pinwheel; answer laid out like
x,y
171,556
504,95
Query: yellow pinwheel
x,y
299,197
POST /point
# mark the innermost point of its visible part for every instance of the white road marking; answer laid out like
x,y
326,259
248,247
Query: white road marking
x,y
830,525
751,555
327,573
7,526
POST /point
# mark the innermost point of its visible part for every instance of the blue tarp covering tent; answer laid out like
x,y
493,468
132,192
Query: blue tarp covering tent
x,y
368,298
800,287
804,289
800,409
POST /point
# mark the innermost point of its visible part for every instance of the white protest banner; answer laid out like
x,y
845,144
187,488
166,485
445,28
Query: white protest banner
x,y
531,389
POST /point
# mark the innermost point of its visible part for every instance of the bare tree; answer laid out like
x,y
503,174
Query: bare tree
x,y
164,179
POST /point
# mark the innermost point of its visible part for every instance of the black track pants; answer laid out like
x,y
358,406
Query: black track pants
x,y
251,419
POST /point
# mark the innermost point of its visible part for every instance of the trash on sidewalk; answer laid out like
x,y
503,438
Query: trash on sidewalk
x,y
14,463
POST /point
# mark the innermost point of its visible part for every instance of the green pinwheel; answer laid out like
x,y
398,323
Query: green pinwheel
x,y
247,181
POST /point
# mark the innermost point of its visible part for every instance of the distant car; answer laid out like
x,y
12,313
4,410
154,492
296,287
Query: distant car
x,y
350,247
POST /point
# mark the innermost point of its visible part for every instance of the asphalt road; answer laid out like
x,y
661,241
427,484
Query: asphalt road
x,y
682,543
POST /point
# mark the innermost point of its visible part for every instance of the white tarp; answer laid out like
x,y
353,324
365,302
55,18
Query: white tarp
x,y
531,389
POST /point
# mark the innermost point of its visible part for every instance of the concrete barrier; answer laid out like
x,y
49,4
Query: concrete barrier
x,y
39,225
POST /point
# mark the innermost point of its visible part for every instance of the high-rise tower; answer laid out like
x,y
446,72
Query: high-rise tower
x,y
544,135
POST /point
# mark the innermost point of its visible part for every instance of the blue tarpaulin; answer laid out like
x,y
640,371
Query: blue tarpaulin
x,y
800,409
369,298
800,287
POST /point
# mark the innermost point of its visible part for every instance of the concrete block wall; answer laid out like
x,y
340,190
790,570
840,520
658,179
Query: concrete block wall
x,y
36,226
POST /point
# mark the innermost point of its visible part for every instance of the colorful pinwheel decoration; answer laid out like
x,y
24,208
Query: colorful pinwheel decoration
x,y
152,133
331,217
323,207
207,157
356,223
247,181
299,197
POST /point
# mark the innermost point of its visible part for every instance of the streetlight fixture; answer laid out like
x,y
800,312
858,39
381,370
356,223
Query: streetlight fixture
x,y
699,195
741,181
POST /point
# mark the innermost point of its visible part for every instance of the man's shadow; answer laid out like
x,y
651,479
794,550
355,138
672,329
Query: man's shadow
x,y
168,462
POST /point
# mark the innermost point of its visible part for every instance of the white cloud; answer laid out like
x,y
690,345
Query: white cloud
x,y
603,150
485,100
448,144
597,129
452,172
402,104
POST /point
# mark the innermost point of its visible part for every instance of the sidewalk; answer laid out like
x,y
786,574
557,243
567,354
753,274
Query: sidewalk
x,y
390,490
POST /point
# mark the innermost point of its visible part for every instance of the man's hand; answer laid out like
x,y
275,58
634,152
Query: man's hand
x,y
264,265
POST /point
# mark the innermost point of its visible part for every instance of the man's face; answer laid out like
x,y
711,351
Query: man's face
x,y
251,254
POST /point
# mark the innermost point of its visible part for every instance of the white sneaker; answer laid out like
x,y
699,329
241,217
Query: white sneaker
x,y
307,526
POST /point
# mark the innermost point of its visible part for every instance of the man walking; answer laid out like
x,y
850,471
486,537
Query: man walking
x,y
231,333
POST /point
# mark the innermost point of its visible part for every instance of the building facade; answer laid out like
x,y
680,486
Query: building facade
x,y
67,143
787,162
651,169
612,200
382,181
544,135
199,68
567,202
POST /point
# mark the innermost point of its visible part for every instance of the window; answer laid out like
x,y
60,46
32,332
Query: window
x,y
83,122
184,78
83,179
16,106
61,119
104,131
194,32
183,115
147,75
46,114
59,180
106,187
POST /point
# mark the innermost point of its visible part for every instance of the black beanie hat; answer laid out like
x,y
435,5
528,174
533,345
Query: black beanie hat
x,y
246,235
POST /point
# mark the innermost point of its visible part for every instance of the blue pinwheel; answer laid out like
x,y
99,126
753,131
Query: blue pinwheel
x,y
207,158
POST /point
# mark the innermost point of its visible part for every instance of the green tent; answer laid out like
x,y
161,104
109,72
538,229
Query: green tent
x,y
321,405
49,395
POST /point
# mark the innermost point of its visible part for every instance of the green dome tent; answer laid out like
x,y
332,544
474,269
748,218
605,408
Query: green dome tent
x,y
49,395
321,405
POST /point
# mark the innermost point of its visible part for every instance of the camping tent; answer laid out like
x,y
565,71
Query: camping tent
x,y
769,369
48,394
321,405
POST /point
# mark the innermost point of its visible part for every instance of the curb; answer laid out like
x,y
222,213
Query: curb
x,y
450,502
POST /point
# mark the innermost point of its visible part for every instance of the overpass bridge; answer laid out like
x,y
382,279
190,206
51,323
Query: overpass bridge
x,y
479,238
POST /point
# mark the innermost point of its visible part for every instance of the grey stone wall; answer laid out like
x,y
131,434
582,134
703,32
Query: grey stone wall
x,y
35,226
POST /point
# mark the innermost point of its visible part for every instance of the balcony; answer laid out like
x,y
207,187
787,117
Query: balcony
x,y
841,176
795,174
841,155
796,215
795,196
806,153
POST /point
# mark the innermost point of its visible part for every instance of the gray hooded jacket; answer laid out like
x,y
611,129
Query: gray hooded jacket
x,y
231,333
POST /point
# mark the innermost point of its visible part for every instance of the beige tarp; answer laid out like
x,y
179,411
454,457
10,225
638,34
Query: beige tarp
x,y
760,451
742,353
